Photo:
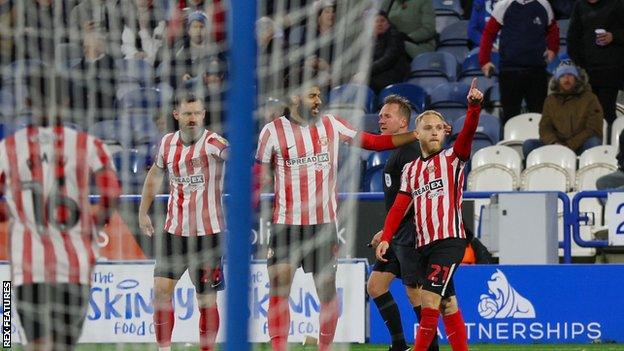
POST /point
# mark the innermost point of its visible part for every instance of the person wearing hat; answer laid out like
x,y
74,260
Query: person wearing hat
x,y
572,115
192,58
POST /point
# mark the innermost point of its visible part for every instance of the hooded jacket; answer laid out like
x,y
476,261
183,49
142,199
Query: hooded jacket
x,y
570,118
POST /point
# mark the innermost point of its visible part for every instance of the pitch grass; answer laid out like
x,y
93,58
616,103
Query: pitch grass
x,y
360,347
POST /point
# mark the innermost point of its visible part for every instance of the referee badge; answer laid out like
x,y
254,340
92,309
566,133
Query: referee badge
x,y
388,180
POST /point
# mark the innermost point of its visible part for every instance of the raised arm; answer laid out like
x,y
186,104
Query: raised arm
x,y
463,144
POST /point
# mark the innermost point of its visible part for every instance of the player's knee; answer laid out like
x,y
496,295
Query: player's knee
x,y
326,290
430,299
449,305
413,294
375,288
206,300
163,291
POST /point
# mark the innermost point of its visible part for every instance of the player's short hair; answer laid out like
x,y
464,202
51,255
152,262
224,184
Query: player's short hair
x,y
185,97
429,112
405,108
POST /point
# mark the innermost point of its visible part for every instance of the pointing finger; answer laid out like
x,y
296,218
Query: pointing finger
x,y
473,84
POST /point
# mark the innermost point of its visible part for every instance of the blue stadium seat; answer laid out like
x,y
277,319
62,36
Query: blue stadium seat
x,y
454,40
450,100
18,70
430,69
141,100
353,95
434,64
450,94
7,105
487,134
132,167
377,159
373,181
135,71
109,131
415,94
447,13
370,123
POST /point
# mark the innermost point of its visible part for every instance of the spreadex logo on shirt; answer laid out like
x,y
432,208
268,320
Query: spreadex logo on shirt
x,y
436,187
319,161
197,179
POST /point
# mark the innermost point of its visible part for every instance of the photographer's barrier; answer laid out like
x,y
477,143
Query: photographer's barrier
x,y
120,309
528,304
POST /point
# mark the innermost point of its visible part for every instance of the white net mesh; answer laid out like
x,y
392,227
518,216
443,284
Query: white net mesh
x,y
113,69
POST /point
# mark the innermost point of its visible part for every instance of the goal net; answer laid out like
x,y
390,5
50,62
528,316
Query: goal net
x,y
117,69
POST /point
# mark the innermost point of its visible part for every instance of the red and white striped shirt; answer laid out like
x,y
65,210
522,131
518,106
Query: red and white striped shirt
x,y
305,162
435,184
45,176
196,182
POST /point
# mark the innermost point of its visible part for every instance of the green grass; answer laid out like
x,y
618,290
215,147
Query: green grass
x,y
358,347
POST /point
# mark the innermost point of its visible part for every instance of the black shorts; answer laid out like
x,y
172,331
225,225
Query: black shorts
x,y
403,262
439,261
53,311
313,247
201,255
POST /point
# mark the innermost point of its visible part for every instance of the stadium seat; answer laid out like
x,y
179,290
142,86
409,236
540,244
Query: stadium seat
x,y
447,13
431,69
132,167
67,55
7,105
472,69
373,181
415,94
434,64
520,128
450,100
495,168
135,71
350,114
18,70
549,168
371,123
142,100
593,164
616,128
454,40
353,96
487,134
377,159
492,104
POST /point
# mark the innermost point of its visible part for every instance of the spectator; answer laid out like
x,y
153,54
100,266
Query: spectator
x,y
105,16
191,59
271,49
601,55
528,33
614,180
481,13
44,26
7,25
143,34
572,115
415,19
96,83
390,63
319,33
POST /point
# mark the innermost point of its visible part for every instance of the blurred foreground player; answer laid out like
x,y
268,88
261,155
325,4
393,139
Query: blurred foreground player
x,y
433,184
194,159
45,173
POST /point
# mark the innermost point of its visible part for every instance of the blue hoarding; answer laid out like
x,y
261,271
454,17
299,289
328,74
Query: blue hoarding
x,y
528,304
